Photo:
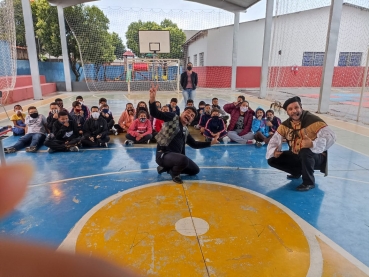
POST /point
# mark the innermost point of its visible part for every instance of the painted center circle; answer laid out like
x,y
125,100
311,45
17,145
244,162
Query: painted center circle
x,y
152,229
192,226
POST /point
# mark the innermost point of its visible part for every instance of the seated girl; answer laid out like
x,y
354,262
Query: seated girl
x,y
215,126
140,130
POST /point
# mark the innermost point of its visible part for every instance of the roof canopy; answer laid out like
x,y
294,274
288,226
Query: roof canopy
x,y
67,3
228,5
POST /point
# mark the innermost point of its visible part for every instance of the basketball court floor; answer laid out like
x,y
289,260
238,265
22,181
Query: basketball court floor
x,y
237,217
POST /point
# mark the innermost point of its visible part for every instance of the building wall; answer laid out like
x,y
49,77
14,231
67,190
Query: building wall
x,y
197,47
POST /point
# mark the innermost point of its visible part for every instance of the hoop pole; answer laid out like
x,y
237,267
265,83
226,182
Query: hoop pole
x,y
363,86
178,75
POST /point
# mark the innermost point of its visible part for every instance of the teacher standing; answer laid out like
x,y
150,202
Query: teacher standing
x,y
189,83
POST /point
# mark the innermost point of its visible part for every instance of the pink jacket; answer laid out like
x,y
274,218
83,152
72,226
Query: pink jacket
x,y
137,127
126,120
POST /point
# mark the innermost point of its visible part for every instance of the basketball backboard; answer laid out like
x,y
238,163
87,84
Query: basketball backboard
x,y
154,41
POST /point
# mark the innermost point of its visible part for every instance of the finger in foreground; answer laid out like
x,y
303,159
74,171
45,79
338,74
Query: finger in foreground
x,y
13,185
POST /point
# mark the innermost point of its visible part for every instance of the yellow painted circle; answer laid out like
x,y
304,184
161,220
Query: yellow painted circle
x,y
248,235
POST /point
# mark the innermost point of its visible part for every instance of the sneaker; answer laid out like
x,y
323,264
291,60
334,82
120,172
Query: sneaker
x,y
258,144
50,150
74,149
251,141
304,187
148,142
128,142
115,131
106,145
31,149
177,179
9,150
161,169
197,127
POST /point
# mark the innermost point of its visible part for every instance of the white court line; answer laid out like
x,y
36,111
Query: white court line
x,y
316,259
202,167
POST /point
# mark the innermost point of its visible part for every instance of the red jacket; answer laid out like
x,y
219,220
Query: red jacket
x,y
158,124
235,113
137,127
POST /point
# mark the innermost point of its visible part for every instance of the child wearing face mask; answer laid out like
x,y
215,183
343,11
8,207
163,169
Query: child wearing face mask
x,y
85,111
204,118
173,106
18,119
108,116
126,119
95,130
200,111
215,126
140,130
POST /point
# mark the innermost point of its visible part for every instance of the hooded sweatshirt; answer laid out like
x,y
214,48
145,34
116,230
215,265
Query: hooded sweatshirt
x,y
259,125
140,128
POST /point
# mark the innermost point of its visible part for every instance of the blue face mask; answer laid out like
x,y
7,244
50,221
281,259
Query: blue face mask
x,y
142,119
105,110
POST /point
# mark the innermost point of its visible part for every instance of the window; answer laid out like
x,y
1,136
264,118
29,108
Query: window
x,y
195,60
313,59
201,59
350,58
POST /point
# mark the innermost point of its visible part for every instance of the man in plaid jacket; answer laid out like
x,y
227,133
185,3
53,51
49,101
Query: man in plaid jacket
x,y
172,138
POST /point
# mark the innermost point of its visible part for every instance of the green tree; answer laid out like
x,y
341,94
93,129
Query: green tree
x,y
119,46
19,24
177,37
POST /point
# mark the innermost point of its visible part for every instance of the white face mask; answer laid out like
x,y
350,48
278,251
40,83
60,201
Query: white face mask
x,y
244,109
95,115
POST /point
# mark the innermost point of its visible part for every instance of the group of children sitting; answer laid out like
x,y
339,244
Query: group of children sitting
x,y
64,130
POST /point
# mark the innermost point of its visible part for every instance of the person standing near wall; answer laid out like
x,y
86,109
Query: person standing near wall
x,y
189,83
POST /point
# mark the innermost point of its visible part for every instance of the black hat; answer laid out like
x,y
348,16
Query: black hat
x,y
291,100
173,100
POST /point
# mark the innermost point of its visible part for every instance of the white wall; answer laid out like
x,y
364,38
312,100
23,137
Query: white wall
x,y
296,33
196,47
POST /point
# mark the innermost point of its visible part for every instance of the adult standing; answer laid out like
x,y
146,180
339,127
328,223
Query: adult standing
x,y
308,137
189,83
172,138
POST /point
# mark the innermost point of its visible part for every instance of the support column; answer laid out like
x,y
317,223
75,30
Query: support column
x,y
266,48
236,28
363,85
330,55
31,49
63,38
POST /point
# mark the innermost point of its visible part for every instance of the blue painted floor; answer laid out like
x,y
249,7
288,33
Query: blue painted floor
x,y
67,185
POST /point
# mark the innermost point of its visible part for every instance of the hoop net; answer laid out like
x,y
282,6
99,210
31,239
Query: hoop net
x,y
8,54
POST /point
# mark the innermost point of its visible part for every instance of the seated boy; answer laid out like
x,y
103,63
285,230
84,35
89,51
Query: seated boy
x,y
95,130
200,111
173,106
77,115
140,130
222,113
215,127
64,136
18,119
85,110
260,128
204,118
53,115
108,116
273,122
190,103
36,130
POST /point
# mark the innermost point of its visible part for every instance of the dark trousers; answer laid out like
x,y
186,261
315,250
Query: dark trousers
x,y
118,128
35,139
59,145
177,163
88,143
260,137
144,139
111,124
303,164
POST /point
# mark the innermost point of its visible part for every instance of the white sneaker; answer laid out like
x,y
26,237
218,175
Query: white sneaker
x,y
74,149
128,142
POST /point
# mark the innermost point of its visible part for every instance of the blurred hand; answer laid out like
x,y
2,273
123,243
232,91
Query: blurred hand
x,y
153,91
28,259
277,153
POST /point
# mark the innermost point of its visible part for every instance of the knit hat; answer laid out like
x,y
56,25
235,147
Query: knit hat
x,y
291,100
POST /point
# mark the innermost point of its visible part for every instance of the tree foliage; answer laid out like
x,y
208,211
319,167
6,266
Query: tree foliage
x,y
177,37
97,45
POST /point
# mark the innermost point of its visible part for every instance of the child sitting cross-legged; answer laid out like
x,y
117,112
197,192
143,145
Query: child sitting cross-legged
x,y
140,130
214,126
19,119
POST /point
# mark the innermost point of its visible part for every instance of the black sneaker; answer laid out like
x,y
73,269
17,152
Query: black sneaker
x,y
161,169
51,150
304,187
292,177
31,149
74,149
9,150
177,179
